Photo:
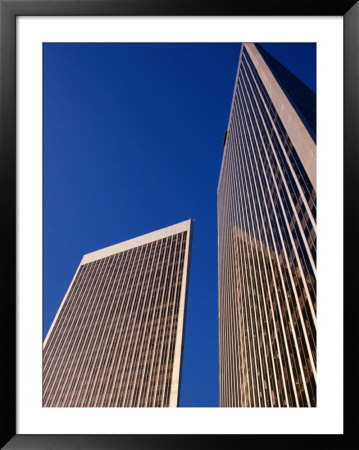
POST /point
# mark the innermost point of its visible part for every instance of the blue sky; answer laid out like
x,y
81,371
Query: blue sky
x,y
133,143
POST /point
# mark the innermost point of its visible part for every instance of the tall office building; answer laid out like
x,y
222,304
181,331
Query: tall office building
x,y
117,337
267,239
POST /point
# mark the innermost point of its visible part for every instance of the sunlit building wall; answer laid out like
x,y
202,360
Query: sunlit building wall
x,y
117,337
267,239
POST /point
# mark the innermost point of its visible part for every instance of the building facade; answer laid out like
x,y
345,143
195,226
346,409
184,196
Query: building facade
x,y
267,239
117,338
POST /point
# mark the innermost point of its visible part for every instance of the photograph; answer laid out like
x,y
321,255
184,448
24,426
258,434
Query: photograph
x,y
162,190
179,225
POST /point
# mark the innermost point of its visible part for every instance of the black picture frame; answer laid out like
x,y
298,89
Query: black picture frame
x,y
9,10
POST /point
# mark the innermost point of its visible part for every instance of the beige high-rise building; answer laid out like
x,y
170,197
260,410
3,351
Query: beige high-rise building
x,y
117,337
267,239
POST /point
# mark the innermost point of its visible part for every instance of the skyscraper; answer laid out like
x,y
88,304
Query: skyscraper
x,y
267,239
117,337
